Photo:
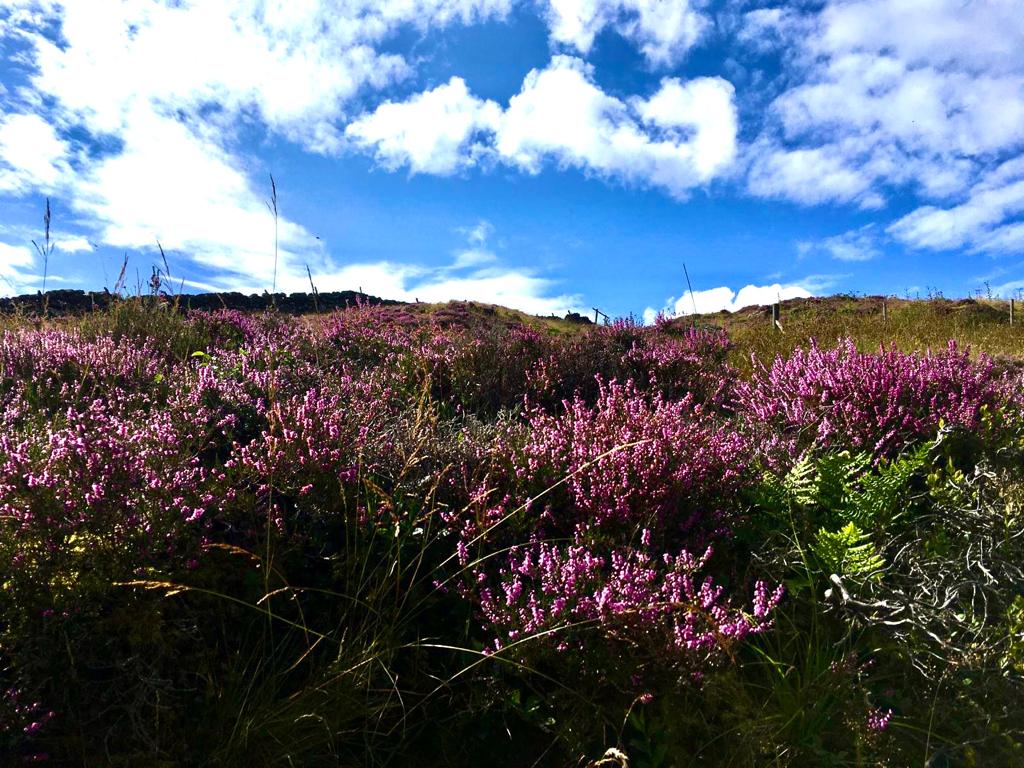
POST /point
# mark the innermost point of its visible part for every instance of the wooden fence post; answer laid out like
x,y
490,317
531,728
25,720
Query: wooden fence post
x,y
1011,311
885,311
777,316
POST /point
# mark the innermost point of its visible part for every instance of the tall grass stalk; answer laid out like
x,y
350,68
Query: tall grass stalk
x,y
272,207
45,250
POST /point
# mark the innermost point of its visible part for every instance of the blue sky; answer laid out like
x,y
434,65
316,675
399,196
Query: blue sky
x,y
547,155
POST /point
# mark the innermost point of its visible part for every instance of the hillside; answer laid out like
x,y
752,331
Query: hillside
x,y
418,534
911,324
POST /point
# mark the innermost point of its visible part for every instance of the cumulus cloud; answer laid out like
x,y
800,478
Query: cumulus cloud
x,y
930,31
725,298
1008,238
764,30
294,64
437,131
682,136
663,30
154,94
887,94
170,185
73,244
1012,289
200,59
497,284
478,234
474,273
143,102
16,264
809,176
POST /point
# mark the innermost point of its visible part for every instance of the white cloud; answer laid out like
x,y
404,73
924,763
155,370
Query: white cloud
x,y
473,257
810,176
478,234
234,57
165,86
509,287
562,115
477,254
33,156
663,30
926,110
475,273
767,29
295,64
1008,238
433,132
14,257
383,278
983,221
885,94
73,244
725,298
1012,289
682,136
172,186
930,31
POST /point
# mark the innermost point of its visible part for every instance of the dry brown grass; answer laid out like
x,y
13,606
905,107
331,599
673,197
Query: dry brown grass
x,y
912,325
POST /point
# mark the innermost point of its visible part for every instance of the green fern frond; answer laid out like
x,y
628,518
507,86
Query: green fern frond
x,y
800,484
834,489
884,494
837,474
848,552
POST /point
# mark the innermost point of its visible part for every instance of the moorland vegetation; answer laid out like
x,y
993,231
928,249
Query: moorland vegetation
x,y
457,535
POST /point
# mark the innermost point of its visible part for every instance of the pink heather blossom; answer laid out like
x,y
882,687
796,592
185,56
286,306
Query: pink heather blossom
x,y
657,602
878,719
634,458
879,403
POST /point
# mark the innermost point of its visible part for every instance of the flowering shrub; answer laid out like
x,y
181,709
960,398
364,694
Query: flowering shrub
x,y
97,496
880,403
658,604
53,369
632,458
636,483
674,364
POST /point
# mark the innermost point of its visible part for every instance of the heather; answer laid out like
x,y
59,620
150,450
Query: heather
x,y
383,536
878,403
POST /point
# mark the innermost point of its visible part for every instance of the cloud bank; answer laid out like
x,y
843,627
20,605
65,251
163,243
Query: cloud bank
x,y
889,97
725,298
681,137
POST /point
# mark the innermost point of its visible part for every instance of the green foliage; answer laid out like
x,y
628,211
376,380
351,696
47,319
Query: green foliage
x,y
647,745
1014,658
834,489
143,318
848,552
